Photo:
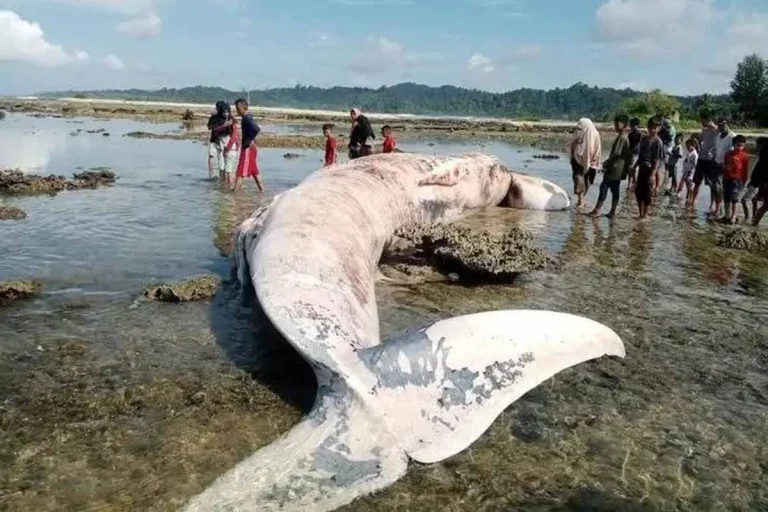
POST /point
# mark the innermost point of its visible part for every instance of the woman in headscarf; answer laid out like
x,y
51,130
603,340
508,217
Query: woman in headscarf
x,y
360,136
585,150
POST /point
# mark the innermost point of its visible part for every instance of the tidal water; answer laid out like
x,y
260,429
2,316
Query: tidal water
x,y
109,402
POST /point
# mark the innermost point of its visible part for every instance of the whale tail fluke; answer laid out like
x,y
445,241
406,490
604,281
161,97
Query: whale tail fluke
x,y
440,388
434,391
337,453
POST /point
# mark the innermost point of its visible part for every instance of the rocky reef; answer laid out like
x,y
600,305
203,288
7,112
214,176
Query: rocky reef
x,y
12,213
16,290
16,182
753,241
196,288
463,254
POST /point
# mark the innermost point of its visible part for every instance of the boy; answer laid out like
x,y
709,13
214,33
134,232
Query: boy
x,y
247,166
759,178
673,158
330,145
389,140
651,155
615,167
635,136
735,171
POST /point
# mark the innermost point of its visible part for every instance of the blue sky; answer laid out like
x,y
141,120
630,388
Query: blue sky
x,y
681,46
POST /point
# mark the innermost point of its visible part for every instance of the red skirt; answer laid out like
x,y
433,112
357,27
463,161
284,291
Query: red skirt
x,y
247,167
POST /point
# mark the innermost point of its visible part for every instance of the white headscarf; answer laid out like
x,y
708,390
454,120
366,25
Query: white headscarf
x,y
587,147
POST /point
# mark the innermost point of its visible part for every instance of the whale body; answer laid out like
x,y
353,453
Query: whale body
x,y
425,395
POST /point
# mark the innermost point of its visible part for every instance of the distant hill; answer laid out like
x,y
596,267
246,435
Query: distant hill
x,y
576,101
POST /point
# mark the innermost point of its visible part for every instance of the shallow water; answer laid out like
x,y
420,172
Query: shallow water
x,y
110,402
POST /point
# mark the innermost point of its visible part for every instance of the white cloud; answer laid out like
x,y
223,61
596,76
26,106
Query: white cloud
x,y
381,56
82,57
125,6
24,41
143,25
323,41
113,62
370,3
745,35
480,63
647,29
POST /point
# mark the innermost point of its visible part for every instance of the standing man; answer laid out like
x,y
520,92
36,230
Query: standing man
x,y
219,124
706,166
360,136
723,144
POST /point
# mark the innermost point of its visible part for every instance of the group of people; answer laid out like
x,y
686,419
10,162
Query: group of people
x,y
649,161
232,148
233,154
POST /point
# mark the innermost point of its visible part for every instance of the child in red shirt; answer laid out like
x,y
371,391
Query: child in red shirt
x,y
735,176
330,145
389,140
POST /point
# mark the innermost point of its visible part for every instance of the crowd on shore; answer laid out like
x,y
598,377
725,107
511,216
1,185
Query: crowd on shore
x,y
656,162
233,154
663,162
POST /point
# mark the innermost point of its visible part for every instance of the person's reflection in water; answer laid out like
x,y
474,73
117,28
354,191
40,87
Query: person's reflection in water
x,y
576,247
640,244
230,211
604,245
706,260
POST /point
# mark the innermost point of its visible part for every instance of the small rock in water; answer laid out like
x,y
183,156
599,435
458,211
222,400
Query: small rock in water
x,y
98,130
753,241
188,115
12,213
197,288
548,156
2,115
291,156
17,290
105,134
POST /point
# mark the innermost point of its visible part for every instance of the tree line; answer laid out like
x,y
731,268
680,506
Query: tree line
x,y
747,103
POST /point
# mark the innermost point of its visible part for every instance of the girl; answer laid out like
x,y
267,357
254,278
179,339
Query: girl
x,y
675,155
585,151
232,155
689,169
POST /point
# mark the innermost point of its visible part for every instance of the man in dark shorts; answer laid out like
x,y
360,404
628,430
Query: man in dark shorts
x,y
615,168
706,166
650,158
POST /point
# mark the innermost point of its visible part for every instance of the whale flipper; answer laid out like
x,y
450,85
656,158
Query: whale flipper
x,y
337,453
440,388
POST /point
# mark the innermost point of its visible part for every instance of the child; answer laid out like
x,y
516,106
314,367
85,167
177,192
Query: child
x,y
615,167
232,155
247,166
735,171
634,136
330,145
389,140
674,157
758,179
689,169
649,159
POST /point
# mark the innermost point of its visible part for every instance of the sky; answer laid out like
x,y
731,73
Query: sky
x,y
679,46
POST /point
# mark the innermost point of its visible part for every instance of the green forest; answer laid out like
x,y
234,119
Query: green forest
x,y
746,105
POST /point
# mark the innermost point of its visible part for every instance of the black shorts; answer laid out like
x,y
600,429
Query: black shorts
x,y
732,190
703,168
613,185
643,188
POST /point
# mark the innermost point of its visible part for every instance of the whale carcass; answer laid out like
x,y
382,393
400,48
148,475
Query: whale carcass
x,y
426,395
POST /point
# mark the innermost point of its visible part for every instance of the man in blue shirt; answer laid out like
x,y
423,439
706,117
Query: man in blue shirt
x,y
248,167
